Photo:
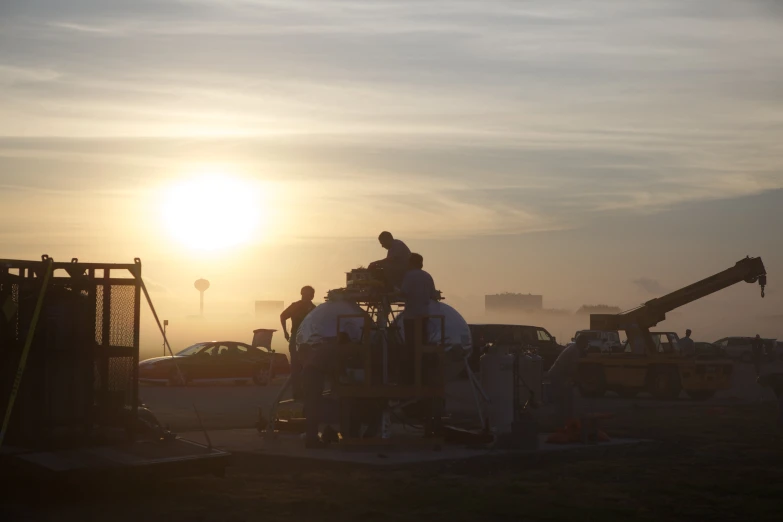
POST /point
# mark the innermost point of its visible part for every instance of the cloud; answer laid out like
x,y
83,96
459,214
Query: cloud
x,y
484,117
155,287
651,286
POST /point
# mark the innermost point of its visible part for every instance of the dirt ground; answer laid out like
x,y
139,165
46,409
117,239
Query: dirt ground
x,y
707,462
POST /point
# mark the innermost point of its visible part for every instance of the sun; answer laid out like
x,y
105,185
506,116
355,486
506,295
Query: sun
x,y
212,212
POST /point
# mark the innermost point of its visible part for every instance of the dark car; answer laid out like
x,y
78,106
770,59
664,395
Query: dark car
x,y
709,351
215,362
513,335
741,348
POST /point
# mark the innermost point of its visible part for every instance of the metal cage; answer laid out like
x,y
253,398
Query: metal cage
x,y
79,383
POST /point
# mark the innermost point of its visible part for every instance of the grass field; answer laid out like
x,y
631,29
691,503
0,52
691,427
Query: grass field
x,y
706,463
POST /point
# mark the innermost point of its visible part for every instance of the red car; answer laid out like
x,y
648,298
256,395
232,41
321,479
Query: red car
x,y
215,362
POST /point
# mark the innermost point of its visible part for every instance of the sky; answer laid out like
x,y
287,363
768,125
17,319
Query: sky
x,y
591,151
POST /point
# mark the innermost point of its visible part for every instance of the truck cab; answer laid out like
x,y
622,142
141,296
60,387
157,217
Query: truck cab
x,y
524,337
601,341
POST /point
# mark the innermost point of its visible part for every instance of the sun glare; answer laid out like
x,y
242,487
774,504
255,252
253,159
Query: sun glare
x,y
212,212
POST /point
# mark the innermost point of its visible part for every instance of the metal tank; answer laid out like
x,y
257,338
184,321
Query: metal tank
x,y
458,343
320,325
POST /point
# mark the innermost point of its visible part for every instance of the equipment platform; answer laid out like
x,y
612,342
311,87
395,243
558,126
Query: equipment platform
x,y
286,446
179,457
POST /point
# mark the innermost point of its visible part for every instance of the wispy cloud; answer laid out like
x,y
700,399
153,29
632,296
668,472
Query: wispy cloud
x,y
489,117
649,285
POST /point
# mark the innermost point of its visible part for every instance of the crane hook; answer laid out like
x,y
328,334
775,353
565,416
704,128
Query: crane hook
x,y
762,283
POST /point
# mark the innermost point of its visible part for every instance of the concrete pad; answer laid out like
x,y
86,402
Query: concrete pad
x,y
292,446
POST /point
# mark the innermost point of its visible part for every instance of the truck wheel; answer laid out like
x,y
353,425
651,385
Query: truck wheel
x,y
664,384
701,395
592,381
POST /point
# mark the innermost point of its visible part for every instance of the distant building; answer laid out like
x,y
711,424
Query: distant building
x,y
513,302
267,308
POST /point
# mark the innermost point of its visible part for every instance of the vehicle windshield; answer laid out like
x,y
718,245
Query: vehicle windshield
x,y
192,349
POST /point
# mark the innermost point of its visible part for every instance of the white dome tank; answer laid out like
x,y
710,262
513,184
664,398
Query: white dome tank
x,y
458,342
320,325
458,337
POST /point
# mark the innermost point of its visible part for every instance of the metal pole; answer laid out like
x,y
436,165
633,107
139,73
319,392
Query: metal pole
x,y
165,324
382,323
202,303
26,349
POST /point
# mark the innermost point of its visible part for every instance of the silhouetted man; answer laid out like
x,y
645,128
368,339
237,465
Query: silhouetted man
x,y
687,346
418,289
758,350
296,312
396,262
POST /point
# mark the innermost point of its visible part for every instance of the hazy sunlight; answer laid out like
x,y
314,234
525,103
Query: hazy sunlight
x,y
212,212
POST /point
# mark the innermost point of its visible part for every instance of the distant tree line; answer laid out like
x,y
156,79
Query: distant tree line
x,y
598,309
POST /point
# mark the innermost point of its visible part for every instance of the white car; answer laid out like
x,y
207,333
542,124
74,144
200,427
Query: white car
x,y
602,341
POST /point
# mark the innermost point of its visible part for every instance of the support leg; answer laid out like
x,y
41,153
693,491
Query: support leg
x,y
270,427
474,385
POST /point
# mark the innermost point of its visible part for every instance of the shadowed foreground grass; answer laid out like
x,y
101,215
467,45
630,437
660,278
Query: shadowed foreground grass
x,y
705,463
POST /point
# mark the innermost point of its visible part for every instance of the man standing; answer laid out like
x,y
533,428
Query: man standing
x,y
758,351
687,346
396,262
418,290
562,377
296,312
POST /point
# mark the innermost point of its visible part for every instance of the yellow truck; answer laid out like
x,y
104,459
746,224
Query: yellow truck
x,y
654,362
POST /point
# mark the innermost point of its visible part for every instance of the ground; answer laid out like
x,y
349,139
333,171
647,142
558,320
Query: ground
x,y
719,460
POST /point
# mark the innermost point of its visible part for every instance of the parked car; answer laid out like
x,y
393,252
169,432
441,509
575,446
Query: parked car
x,y
709,351
214,362
523,336
602,341
740,348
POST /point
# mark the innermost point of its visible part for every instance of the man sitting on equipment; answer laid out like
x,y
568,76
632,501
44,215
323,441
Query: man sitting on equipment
x,y
396,262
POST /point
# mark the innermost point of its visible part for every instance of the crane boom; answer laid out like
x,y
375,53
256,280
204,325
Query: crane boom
x,y
750,270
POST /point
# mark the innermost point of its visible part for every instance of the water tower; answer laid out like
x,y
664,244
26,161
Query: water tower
x,y
201,285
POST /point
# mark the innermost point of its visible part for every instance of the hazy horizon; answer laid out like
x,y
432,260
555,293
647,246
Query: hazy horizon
x,y
593,152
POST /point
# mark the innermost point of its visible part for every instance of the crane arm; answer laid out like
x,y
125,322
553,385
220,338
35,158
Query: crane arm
x,y
750,270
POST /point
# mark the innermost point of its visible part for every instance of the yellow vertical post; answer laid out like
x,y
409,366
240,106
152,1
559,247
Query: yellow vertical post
x,y
26,350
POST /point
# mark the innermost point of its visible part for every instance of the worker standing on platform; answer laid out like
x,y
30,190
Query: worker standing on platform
x,y
418,289
396,262
562,377
687,346
296,312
